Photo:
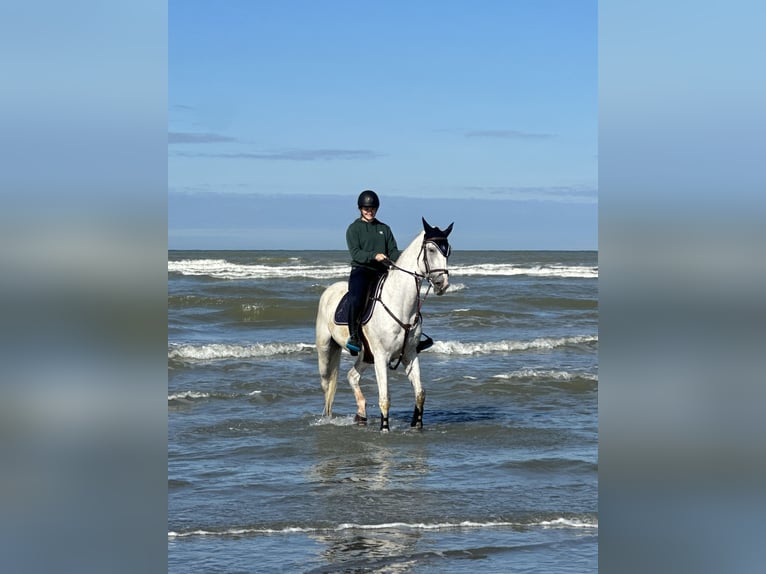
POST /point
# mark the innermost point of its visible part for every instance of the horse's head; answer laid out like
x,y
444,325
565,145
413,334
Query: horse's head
x,y
436,251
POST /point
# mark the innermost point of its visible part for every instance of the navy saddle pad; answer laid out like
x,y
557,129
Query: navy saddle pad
x,y
341,311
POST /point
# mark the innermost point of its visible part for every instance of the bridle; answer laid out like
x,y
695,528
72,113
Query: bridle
x,y
445,249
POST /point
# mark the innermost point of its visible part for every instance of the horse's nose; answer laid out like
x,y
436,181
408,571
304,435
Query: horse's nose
x,y
442,284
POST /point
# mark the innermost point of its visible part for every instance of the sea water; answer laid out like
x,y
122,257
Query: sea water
x,y
502,478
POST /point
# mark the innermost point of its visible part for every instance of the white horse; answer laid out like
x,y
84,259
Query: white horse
x,y
393,331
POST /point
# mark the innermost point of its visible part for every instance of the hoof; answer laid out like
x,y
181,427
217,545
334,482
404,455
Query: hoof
x,y
384,425
360,420
417,418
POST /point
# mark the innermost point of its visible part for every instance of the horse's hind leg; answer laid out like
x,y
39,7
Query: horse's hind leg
x,y
329,363
354,375
413,373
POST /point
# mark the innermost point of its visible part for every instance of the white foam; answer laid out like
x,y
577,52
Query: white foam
x,y
222,269
546,374
568,523
459,348
334,421
188,395
507,269
219,351
455,287
465,524
242,532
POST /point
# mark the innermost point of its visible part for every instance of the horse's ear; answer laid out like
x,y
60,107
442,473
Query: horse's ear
x,y
427,227
447,231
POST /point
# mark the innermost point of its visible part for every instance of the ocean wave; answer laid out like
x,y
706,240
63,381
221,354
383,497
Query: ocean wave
x,y
507,269
460,348
334,421
453,287
220,351
188,395
527,374
193,395
569,523
222,269
560,522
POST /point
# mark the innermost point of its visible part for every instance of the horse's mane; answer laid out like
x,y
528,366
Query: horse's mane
x,y
413,247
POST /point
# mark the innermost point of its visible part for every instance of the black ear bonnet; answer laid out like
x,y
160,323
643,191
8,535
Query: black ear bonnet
x,y
438,237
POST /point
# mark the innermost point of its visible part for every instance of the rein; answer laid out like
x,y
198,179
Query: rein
x,y
429,271
419,277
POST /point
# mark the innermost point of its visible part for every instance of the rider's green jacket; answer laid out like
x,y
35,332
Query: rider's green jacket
x,y
365,240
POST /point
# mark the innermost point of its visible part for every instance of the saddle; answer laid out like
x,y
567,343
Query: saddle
x,y
341,318
341,315
341,311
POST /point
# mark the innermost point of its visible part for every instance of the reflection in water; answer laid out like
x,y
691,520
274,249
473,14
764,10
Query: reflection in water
x,y
369,482
371,464
382,551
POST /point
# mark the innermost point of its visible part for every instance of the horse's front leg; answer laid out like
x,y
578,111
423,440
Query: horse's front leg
x,y
354,375
381,374
413,373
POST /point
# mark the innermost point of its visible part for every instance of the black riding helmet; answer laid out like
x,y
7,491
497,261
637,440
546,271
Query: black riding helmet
x,y
368,198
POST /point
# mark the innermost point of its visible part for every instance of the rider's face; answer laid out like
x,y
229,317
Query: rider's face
x,y
368,213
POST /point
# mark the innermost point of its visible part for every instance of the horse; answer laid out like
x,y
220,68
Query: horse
x,y
392,333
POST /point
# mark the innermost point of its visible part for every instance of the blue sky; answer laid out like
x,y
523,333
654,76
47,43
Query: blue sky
x,y
483,113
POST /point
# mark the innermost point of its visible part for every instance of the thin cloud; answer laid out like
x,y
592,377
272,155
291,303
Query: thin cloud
x,y
197,138
557,194
506,134
292,155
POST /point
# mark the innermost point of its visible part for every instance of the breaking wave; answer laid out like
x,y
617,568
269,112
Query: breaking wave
x,y
223,269
460,348
220,351
561,522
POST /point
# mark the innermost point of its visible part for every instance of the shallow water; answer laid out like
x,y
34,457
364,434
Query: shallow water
x,y
503,476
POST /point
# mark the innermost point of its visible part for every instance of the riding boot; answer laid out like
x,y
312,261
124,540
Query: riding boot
x,y
354,345
424,344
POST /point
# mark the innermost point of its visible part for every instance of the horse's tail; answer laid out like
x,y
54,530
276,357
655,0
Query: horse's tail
x,y
329,366
329,391
328,351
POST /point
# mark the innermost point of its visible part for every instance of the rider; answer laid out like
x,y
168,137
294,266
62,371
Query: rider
x,y
372,246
